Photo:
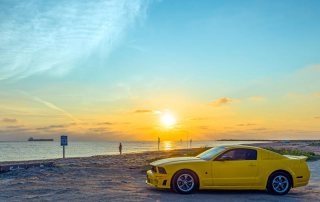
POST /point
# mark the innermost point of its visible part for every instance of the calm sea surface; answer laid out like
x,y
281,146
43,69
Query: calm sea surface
x,y
17,151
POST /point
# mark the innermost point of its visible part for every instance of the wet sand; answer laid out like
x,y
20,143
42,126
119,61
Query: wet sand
x,y
122,178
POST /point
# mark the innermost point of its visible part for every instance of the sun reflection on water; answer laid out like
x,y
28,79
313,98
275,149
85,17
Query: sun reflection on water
x,y
168,145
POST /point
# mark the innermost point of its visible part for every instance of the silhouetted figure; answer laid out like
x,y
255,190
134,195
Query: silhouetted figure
x,y
158,143
190,143
120,148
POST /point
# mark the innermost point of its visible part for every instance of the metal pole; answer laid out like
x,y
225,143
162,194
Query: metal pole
x,y
187,140
64,152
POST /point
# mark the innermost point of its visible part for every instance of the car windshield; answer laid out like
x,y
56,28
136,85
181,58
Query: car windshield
x,y
209,154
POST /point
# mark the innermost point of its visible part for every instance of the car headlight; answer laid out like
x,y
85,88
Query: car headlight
x,y
162,170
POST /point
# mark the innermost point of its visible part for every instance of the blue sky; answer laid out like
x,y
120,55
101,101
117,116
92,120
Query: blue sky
x,y
212,43
118,55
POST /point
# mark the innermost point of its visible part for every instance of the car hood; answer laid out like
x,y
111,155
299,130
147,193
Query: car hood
x,y
176,160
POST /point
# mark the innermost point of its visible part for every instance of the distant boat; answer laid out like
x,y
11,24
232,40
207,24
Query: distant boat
x,y
39,140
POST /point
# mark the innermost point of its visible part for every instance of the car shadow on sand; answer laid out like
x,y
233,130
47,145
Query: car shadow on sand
x,y
215,192
225,195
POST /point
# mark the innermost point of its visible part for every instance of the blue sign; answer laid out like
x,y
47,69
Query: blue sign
x,y
64,140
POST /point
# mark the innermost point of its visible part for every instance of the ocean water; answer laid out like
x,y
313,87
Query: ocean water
x,y
18,151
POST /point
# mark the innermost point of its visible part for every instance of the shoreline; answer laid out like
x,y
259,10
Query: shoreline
x,y
296,144
25,151
154,152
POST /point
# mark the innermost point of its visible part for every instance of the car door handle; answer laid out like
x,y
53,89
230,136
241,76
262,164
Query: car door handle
x,y
252,165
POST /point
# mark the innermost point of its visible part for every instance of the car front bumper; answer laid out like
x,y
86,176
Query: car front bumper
x,y
157,180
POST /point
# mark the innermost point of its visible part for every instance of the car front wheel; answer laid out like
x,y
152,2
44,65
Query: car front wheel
x,y
279,183
184,182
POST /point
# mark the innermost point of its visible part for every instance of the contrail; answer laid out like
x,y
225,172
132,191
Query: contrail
x,y
55,107
51,106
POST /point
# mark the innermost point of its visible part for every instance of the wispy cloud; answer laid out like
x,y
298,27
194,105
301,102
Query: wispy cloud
x,y
51,36
143,111
14,127
246,124
199,119
105,123
222,101
60,126
310,69
98,130
259,129
8,120
257,98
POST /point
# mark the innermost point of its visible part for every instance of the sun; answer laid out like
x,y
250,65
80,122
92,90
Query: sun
x,y
168,119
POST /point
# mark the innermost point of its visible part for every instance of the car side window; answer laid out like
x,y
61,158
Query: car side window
x,y
238,154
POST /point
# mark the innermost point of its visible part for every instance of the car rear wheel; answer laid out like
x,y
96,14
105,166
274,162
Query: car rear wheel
x,y
279,183
185,182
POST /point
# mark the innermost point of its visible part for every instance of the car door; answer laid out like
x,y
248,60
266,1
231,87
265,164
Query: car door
x,y
236,167
204,170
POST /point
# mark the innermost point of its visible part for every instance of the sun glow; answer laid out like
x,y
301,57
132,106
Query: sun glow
x,y
167,145
168,120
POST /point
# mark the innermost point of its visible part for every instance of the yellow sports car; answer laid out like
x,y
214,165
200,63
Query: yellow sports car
x,y
231,167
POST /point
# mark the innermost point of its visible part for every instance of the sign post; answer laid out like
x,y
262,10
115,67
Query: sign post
x,y
64,142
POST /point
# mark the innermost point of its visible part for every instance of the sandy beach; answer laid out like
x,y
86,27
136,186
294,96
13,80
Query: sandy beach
x,y
122,178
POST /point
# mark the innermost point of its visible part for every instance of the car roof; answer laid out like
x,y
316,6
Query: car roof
x,y
240,147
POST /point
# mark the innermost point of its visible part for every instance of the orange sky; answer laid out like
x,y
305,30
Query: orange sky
x,y
287,116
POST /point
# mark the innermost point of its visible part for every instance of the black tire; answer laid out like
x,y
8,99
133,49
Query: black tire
x,y
279,183
185,182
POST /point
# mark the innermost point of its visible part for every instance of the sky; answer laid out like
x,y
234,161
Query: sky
x,y
114,69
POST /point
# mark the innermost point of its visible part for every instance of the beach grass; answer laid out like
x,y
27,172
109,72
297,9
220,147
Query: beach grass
x,y
314,144
295,152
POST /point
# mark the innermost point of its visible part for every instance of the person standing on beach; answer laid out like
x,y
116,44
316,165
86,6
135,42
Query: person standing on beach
x,y
120,148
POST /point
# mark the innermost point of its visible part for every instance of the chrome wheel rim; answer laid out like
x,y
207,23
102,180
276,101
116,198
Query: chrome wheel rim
x,y
280,183
185,182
